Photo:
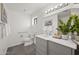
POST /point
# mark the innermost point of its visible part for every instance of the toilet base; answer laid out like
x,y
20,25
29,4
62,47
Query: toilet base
x,y
28,43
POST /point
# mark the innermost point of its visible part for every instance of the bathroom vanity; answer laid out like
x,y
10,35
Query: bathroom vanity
x,y
47,45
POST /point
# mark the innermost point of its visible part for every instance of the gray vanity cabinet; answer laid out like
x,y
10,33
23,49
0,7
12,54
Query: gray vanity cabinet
x,y
57,49
47,47
41,46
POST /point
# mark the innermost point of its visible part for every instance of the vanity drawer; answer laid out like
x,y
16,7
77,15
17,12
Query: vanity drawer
x,y
54,48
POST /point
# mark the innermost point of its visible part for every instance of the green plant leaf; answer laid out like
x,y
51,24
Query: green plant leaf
x,y
67,27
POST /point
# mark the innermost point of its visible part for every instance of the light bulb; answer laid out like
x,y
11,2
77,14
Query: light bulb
x,y
56,6
60,4
46,12
51,8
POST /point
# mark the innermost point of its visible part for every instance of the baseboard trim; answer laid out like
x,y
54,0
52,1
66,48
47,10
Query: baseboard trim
x,y
15,44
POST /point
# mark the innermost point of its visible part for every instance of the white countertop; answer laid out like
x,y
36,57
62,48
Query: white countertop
x,y
68,43
77,42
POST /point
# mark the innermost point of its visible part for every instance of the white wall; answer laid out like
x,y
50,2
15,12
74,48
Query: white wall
x,y
17,22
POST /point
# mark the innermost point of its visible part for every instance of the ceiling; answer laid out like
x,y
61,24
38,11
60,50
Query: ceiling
x,y
28,8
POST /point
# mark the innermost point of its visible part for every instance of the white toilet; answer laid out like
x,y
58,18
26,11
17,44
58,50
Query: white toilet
x,y
28,41
27,38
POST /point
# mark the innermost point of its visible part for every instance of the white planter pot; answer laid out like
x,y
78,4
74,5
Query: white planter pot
x,y
72,36
65,37
77,38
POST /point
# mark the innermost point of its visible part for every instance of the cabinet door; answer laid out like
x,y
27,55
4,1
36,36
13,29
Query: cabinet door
x,y
41,46
56,49
40,52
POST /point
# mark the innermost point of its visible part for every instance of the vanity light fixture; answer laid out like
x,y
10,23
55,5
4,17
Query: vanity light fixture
x,y
51,8
61,5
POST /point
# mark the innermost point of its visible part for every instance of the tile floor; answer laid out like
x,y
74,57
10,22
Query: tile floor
x,y
21,50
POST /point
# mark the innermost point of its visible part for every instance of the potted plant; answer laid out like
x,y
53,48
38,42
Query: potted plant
x,y
64,28
76,22
73,25
72,31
